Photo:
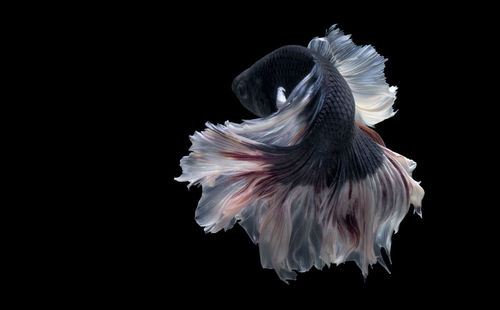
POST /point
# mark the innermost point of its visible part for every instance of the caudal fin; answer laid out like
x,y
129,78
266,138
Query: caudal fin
x,y
301,214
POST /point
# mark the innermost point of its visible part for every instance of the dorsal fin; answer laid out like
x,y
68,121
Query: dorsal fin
x,y
363,69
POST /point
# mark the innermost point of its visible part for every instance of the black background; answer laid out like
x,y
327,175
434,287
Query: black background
x,y
183,62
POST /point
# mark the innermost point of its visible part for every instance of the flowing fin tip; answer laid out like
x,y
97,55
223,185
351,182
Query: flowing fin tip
x,y
299,227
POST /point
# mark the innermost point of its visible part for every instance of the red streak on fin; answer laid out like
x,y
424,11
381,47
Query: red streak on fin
x,y
372,134
243,156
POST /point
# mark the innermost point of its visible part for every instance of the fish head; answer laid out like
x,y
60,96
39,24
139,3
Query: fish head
x,y
248,88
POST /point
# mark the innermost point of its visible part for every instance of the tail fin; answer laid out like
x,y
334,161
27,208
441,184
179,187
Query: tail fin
x,y
300,216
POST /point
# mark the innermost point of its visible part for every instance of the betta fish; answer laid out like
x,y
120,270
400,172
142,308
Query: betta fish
x,y
309,180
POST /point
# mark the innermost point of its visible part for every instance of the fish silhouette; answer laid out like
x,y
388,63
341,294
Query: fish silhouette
x,y
309,179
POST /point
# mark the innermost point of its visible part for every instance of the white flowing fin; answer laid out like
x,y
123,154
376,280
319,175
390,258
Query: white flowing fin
x,y
363,69
312,224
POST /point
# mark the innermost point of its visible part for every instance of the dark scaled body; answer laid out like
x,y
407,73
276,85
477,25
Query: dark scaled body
x,y
333,145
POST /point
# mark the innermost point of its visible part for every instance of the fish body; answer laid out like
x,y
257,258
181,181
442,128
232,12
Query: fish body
x,y
308,180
